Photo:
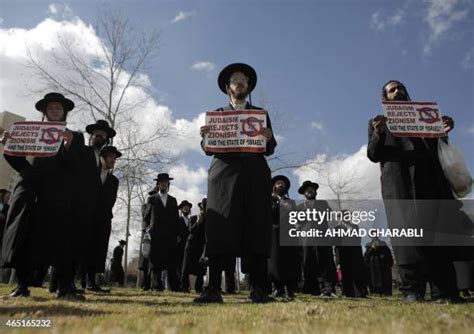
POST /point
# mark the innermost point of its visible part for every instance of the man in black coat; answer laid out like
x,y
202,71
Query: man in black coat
x,y
411,174
89,208
284,264
99,235
162,221
378,259
183,231
193,264
319,270
117,273
41,228
351,261
239,218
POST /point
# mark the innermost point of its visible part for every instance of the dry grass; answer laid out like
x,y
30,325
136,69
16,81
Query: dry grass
x,y
134,311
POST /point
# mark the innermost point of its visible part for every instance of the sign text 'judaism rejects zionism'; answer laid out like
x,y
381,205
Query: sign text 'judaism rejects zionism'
x,y
414,119
39,139
236,131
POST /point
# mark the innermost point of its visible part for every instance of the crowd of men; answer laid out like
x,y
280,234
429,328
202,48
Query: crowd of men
x,y
60,214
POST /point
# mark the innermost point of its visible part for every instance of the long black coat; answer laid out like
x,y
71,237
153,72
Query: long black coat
x,y
99,236
85,208
41,228
194,248
410,170
239,218
164,223
183,233
379,262
285,261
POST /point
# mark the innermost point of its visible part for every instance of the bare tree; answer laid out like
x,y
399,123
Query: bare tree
x,y
101,81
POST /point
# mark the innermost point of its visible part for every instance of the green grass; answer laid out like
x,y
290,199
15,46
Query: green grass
x,y
134,311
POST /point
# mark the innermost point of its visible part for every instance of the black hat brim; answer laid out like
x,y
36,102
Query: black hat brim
x,y
184,204
67,104
110,132
282,178
304,186
224,76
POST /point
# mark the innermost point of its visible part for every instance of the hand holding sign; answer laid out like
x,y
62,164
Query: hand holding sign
x,y
4,136
267,133
68,136
448,123
378,123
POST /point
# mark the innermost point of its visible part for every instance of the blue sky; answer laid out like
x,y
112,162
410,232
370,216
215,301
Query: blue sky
x,y
320,64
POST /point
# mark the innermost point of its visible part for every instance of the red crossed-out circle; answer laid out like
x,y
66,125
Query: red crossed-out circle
x,y
428,115
249,126
50,135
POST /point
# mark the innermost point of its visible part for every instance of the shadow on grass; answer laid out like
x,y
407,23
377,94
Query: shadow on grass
x,y
49,310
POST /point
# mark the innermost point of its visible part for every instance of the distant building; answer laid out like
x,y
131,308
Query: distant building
x,y
8,177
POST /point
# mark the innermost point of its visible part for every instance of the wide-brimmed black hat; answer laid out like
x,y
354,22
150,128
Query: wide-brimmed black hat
x,y
110,149
68,105
224,76
307,184
101,124
282,178
183,203
202,204
122,242
163,176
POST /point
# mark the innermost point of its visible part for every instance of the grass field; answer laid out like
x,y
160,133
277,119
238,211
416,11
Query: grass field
x,y
134,311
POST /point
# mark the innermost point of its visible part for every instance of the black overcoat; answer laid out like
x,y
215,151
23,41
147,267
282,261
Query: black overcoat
x,y
41,228
410,169
102,225
163,223
238,215
285,261
194,248
379,262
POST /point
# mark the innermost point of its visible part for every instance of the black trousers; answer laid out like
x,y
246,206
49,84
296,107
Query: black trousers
x,y
63,274
354,283
319,270
437,268
157,282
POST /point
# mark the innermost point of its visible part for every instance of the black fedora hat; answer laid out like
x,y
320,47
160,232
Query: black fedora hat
x,y
202,205
163,176
68,105
110,149
183,203
122,242
224,76
101,124
282,178
307,184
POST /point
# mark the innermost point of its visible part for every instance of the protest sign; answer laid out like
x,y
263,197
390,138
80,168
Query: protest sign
x,y
236,131
413,119
38,139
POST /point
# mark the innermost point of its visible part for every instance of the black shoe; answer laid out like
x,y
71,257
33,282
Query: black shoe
x,y
465,293
96,288
259,297
413,298
449,300
230,292
19,292
70,296
278,294
209,295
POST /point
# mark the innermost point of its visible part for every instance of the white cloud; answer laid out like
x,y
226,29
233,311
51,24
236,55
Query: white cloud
x,y
379,22
1,20
355,175
467,62
203,66
181,16
52,9
317,125
441,16
471,129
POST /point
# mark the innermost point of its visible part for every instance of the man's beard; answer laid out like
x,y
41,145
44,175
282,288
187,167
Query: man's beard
x,y
239,96
310,196
98,143
400,97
